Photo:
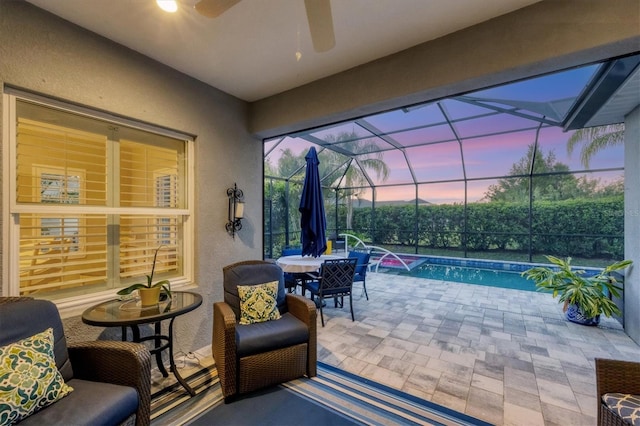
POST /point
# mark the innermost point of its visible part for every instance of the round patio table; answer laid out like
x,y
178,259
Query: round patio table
x,y
301,265
129,313
298,264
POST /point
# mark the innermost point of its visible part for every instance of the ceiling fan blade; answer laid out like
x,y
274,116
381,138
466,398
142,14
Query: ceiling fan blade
x,y
320,24
214,8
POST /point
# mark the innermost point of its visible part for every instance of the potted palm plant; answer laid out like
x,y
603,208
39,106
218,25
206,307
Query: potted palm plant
x,y
585,297
149,292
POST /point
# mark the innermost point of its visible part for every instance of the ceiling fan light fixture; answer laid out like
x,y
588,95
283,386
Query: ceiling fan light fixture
x,y
214,8
320,24
319,18
170,6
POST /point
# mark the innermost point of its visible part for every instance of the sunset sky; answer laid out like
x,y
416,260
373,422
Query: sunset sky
x,y
491,142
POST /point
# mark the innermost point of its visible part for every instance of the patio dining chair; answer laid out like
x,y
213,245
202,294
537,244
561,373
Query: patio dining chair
x,y
335,281
291,279
361,269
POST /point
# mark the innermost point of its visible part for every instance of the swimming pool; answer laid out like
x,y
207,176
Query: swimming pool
x,y
469,271
463,274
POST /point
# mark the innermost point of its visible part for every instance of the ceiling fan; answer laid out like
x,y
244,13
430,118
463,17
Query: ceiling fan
x,y
318,16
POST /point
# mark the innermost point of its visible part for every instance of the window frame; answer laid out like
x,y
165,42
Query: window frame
x,y
12,209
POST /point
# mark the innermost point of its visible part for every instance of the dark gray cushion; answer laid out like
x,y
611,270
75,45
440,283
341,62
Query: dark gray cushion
x,y
25,318
90,403
270,335
314,288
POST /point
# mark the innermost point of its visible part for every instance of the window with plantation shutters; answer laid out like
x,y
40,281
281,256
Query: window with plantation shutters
x,y
92,201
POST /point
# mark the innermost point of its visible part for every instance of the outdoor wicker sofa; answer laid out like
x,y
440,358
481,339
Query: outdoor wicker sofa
x,y
111,380
618,392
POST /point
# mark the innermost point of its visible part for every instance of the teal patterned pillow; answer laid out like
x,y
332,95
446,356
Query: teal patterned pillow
x,y
29,378
258,302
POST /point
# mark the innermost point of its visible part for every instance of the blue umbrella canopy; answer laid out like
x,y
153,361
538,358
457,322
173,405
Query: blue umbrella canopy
x,y
313,222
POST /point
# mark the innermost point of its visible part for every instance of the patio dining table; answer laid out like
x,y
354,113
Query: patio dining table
x,y
298,264
301,265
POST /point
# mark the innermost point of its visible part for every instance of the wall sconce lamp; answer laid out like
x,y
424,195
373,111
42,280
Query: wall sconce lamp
x,y
236,210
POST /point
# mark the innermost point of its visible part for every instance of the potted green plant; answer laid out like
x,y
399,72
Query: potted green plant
x,y
149,292
585,297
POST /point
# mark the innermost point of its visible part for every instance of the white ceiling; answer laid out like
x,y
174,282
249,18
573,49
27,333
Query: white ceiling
x,y
250,51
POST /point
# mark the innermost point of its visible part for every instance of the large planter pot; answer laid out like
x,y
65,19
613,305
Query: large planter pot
x,y
574,314
149,296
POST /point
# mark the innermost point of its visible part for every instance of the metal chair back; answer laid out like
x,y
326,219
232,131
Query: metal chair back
x,y
336,277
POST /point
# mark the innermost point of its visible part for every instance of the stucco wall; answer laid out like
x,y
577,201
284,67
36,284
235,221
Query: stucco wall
x,y
544,37
42,53
632,224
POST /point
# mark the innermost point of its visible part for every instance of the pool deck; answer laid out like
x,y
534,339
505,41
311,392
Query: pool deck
x,y
505,356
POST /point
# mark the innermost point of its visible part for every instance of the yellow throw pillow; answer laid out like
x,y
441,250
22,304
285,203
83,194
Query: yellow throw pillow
x,y
258,302
29,378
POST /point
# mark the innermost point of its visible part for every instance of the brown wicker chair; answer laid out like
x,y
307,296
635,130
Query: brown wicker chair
x,y
90,368
250,357
615,376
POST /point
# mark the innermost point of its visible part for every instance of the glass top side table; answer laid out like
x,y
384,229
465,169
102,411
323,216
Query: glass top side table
x,y
129,313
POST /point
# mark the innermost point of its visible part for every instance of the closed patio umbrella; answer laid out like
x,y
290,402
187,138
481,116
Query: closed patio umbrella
x,y
313,223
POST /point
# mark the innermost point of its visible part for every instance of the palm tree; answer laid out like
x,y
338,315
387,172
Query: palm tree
x,y
595,139
369,158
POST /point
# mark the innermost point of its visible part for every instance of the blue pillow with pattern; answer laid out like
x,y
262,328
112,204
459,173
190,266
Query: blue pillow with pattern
x,y
29,378
626,406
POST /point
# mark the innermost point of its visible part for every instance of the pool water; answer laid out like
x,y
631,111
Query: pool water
x,y
490,273
471,275
469,271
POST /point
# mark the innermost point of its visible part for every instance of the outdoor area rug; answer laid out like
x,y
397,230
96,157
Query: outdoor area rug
x,y
334,397
174,398
274,406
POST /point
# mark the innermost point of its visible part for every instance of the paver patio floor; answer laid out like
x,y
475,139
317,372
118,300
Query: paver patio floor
x,y
505,356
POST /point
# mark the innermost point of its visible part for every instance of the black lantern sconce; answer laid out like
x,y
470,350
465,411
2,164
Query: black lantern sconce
x,y
236,210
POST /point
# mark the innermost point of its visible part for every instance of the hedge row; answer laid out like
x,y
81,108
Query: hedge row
x,y
585,228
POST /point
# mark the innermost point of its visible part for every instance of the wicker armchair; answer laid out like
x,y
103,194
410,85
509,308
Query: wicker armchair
x,y
90,368
614,376
253,356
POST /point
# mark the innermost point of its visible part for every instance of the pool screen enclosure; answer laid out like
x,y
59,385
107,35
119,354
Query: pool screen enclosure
x,y
497,172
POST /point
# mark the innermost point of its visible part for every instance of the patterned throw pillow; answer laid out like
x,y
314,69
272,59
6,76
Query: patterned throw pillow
x,y
258,302
29,378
